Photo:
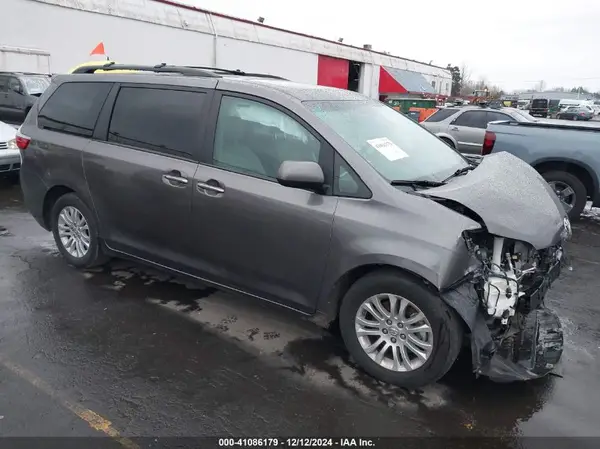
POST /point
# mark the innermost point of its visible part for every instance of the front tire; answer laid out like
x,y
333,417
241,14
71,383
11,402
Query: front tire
x,y
76,232
398,330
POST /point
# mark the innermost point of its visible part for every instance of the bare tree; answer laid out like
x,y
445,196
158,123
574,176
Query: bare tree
x,y
465,74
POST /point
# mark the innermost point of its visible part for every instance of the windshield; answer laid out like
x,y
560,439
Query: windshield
x,y
396,146
35,84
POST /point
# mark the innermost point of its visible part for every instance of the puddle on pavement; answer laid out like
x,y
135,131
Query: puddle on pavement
x,y
10,194
132,280
459,404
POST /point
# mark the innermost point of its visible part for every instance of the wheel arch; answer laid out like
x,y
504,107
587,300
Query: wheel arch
x,y
448,138
329,305
50,199
580,169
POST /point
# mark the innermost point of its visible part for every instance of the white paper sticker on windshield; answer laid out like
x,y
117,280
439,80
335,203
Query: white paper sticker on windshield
x,y
388,148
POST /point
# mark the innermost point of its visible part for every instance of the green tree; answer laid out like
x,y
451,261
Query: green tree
x,y
457,80
580,89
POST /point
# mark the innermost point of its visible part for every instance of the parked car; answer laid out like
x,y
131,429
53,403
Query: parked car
x,y
10,158
18,92
464,128
565,154
576,113
540,107
314,198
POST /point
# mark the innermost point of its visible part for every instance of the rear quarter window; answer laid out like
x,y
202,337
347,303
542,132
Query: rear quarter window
x,y
160,120
441,114
74,108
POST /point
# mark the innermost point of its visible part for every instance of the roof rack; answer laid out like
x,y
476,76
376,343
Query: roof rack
x,y
210,72
17,72
239,72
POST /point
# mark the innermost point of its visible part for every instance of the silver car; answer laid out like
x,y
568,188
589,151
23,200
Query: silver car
x,y
10,158
464,128
317,199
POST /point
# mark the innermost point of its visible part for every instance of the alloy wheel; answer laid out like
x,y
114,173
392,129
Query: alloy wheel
x,y
394,332
565,194
74,232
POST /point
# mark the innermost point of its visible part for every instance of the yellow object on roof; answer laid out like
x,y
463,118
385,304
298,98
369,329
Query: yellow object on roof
x,y
92,64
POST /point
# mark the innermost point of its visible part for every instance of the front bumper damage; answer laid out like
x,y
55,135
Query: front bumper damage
x,y
529,349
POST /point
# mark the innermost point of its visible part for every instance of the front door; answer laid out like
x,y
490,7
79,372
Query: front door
x,y
17,97
5,109
469,130
141,178
250,232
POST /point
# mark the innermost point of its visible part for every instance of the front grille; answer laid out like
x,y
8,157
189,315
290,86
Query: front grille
x,y
3,145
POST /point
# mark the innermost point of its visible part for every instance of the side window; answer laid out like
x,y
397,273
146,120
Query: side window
x,y
254,138
159,120
493,116
472,119
74,108
3,84
14,85
346,182
441,114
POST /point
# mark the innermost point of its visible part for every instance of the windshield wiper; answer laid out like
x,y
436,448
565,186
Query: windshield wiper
x,y
416,183
459,172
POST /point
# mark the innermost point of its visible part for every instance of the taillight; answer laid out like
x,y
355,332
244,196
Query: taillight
x,y
488,143
22,141
582,113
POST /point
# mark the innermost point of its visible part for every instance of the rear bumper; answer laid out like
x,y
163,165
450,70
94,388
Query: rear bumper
x,y
10,160
538,112
34,192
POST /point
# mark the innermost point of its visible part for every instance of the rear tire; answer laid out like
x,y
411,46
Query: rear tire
x,y
445,326
572,181
73,223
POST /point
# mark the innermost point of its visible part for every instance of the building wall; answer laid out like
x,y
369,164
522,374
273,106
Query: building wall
x,y
252,57
333,72
555,96
24,60
146,31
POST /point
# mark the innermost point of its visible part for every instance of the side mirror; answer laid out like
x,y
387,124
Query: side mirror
x,y
16,87
301,175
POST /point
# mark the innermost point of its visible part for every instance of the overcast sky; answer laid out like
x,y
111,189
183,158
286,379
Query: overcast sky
x,y
512,43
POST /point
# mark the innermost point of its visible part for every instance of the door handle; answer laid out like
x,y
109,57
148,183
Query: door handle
x,y
211,188
174,179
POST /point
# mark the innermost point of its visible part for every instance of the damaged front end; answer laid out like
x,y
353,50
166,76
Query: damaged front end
x,y
513,335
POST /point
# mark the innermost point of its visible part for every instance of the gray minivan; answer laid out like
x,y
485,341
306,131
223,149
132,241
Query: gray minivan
x,y
314,198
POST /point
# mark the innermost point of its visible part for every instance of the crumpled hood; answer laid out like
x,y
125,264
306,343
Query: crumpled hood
x,y
7,132
511,198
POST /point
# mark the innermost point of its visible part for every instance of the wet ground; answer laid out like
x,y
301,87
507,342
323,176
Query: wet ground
x,y
128,351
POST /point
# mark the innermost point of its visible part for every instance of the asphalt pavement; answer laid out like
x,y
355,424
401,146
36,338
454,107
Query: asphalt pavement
x,y
127,351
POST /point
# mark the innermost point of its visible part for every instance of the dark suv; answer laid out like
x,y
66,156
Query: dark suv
x,y
314,198
18,92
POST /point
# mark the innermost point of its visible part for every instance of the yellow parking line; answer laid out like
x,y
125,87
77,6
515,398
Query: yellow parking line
x,y
93,419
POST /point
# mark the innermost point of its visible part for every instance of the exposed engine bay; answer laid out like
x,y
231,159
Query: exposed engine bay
x,y
513,335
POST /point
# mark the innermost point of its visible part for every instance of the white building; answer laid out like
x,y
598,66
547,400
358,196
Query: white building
x,y
59,34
